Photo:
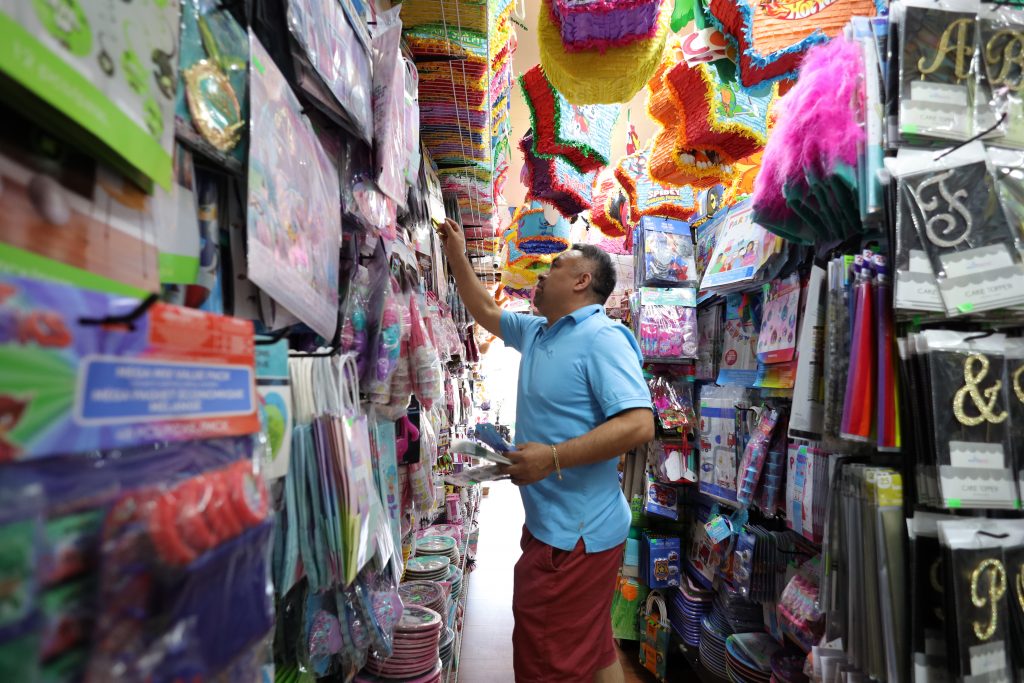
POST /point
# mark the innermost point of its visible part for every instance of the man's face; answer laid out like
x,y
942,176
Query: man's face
x,y
557,285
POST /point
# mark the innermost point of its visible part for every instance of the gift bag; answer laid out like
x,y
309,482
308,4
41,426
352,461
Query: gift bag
x,y
654,635
626,605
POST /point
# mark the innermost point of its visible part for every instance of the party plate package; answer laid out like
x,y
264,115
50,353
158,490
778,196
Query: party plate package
x,y
666,257
176,374
294,216
741,249
108,66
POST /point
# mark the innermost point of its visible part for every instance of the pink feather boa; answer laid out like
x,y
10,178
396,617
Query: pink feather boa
x,y
816,124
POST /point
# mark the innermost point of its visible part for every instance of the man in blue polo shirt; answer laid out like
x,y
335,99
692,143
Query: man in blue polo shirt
x,y
582,402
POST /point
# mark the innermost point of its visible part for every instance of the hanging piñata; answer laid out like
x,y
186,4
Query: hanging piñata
x,y
600,77
772,36
580,133
555,180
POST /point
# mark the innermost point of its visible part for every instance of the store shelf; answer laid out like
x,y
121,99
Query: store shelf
x,y
451,672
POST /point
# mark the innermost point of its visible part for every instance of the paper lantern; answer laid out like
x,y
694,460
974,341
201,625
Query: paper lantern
x,y
609,210
772,36
595,77
601,24
555,180
580,133
536,235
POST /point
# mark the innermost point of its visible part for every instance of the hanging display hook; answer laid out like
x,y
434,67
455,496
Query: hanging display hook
x,y
128,319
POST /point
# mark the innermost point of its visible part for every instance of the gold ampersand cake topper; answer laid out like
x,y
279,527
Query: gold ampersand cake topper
x,y
983,400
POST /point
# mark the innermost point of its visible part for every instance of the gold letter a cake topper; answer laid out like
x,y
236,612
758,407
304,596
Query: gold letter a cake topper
x,y
983,400
962,45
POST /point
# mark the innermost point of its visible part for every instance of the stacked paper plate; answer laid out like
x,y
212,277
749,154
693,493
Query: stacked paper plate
x,y
429,594
712,645
415,653
748,657
455,580
447,646
445,546
453,530
689,605
427,568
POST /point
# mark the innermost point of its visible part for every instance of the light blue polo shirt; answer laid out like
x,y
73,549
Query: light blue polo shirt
x,y
573,376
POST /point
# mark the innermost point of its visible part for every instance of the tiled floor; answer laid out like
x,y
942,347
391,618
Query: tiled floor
x,y
487,646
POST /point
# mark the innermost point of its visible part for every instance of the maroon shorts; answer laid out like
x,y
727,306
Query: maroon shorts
x,y
562,604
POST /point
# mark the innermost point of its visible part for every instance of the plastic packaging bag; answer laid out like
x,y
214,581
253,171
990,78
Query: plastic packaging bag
x,y
390,146
667,323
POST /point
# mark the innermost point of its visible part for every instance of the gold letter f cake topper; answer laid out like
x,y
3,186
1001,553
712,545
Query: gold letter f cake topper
x,y
983,400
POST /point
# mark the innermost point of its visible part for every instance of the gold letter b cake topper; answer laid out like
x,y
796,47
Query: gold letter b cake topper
x,y
983,400
957,39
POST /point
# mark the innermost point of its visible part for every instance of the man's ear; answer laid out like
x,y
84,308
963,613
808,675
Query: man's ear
x,y
582,281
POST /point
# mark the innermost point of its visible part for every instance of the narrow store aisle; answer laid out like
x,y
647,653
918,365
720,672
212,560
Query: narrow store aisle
x,y
487,644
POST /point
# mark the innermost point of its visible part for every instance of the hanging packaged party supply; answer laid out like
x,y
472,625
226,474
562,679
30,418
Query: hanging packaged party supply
x,y
954,206
970,388
424,362
162,376
754,456
937,68
665,254
666,323
998,100
742,248
337,50
655,636
176,542
294,218
709,341
718,440
673,402
212,68
980,597
776,342
674,462
390,146
738,363
128,104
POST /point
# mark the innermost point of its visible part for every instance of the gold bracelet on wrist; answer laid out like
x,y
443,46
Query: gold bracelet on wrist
x,y
554,456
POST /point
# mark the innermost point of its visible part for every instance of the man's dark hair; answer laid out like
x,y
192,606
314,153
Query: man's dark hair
x,y
602,271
